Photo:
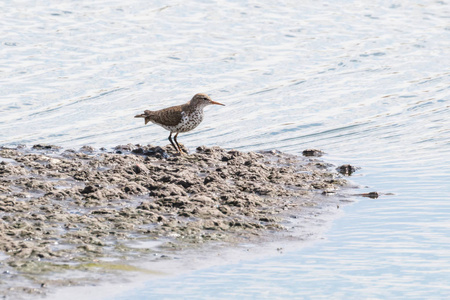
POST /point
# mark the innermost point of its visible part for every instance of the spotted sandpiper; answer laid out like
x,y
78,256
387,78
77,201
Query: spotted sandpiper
x,y
179,118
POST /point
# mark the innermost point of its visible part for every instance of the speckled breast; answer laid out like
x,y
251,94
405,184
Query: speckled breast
x,y
187,122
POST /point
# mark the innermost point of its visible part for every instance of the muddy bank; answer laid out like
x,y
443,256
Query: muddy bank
x,y
62,209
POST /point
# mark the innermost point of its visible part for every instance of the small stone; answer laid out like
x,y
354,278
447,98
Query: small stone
x,y
87,149
312,152
372,195
45,147
138,169
346,169
88,189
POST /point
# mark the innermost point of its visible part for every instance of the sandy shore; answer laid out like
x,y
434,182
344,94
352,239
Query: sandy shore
x,y
62,209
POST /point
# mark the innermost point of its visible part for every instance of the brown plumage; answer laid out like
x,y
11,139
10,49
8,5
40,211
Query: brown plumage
x,y
179,118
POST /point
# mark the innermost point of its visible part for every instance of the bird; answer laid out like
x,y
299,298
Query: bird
x,y
179,118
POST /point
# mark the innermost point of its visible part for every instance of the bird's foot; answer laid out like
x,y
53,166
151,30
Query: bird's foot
x,y
181,152
182,149
178,154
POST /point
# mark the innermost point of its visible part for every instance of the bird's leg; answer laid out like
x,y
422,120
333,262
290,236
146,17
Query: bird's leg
x,y
179,148
170,139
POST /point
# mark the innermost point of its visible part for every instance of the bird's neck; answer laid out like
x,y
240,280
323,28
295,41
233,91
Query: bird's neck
x,y
195,108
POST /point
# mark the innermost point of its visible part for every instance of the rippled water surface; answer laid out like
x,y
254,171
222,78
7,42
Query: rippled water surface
x,y
366,81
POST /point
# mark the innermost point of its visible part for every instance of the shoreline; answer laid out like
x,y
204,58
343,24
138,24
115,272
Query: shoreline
x,y
65,210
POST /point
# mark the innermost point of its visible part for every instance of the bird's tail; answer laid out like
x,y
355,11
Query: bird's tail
x,y
146,115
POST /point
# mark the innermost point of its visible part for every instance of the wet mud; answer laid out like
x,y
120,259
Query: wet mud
x,y
65,210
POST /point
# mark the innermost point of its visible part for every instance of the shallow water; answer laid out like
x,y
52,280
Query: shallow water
x,y
367,82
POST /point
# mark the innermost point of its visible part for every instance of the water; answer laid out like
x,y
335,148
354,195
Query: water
x,y
368,82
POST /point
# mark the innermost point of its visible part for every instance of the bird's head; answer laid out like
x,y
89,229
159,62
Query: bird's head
x,y
203,100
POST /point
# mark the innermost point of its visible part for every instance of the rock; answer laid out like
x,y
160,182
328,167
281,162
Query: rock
x,y
138,169
125,148
312,152
87,149
346,169
89,189
46,147
372,195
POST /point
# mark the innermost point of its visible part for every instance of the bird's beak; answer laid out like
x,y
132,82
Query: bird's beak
x,y
217,103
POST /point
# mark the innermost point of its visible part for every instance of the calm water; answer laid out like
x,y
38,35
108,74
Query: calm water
x,y
368,82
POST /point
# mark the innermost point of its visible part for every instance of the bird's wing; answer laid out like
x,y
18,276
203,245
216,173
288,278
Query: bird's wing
x,y
170,116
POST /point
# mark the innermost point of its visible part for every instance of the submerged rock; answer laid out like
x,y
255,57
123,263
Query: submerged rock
x,y
45,147
312,152
347,169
